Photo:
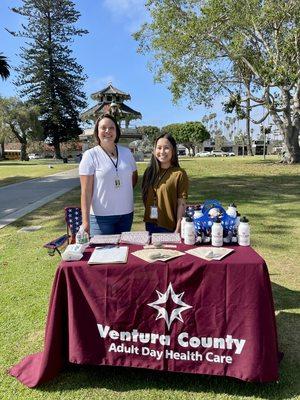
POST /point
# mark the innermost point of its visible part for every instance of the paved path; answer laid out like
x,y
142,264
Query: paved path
x,y
21,198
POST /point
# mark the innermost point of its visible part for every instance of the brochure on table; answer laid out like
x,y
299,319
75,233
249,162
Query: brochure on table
x,y
210,253
109,255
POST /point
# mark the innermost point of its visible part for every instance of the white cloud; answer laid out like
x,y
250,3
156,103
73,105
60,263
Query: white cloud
x,y
133,11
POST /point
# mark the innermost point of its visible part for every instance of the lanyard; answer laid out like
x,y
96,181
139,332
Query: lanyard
x,y
155,186
115,164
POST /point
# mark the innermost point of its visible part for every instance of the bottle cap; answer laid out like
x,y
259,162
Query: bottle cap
x,y
244,219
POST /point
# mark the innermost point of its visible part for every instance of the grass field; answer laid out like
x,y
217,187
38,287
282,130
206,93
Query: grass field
x,y
267,192
18,171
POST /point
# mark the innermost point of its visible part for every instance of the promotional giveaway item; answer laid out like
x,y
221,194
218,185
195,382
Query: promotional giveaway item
x,y
105,239
109,255
244,232
229,221
189,232
231,210
182,225
82,236
74,252
137,237
165,238
217,233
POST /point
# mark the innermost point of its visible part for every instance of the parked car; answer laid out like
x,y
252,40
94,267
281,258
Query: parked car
x,y
203,154
33,156
218,153
230,154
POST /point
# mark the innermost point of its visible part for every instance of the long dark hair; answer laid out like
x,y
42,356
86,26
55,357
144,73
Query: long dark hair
x,y
118,130
152,172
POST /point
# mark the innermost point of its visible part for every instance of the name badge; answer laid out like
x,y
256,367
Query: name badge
x,y
153,212
117,183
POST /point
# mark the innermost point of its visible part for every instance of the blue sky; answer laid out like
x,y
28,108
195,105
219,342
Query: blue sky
x,y
108,54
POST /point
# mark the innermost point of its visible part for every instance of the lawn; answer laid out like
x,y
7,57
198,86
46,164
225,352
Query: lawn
x,y
267,192
18,171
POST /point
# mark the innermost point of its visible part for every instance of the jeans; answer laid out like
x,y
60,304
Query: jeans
x,y
110,224
153,228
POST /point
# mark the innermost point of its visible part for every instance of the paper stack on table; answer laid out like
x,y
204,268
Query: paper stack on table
x,y
210,253
105,239
151,255
165,238
109,255
138,237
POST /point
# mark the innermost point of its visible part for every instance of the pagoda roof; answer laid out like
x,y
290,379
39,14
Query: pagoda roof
x,y
103,107
110,90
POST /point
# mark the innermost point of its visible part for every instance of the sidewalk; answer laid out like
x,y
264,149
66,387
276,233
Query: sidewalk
x,y
21,198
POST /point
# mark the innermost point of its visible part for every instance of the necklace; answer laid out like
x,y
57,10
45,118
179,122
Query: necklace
x,y
115,164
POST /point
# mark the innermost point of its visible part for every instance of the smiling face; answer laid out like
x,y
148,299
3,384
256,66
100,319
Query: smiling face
x,y
107,131
163,152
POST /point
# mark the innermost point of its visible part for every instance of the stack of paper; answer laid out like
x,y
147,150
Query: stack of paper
x,y
151,255
138,237
105,239
165,238
109,255
210,253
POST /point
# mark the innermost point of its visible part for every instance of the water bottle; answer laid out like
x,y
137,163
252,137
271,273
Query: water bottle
x,y
198,212
182,225
82,236
217,233
244,232
189,231
231,210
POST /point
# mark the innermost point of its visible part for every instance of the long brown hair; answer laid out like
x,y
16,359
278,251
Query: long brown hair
x,y
152,171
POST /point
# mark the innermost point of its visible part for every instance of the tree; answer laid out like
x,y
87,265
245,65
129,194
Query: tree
x,y
199,46
21,119
4,67
49,76
190,134
150,131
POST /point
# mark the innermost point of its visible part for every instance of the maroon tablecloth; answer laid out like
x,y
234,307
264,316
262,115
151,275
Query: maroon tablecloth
x,y
185,315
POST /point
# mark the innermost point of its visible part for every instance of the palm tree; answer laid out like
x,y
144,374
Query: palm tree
x,y
4,67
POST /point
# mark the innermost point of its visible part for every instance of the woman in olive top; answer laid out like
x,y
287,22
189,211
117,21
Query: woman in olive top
x,y
164,188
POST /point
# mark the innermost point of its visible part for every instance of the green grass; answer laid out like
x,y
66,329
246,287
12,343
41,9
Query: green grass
x,y
267,192
18,171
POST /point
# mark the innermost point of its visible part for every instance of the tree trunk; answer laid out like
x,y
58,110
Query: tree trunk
x,y
57,153
292,154
248,128
2,149
24,155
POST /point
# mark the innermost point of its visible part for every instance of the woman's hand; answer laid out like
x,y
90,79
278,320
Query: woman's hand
x,y
86,227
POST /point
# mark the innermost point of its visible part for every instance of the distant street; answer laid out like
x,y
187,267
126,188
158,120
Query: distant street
x,y
19,199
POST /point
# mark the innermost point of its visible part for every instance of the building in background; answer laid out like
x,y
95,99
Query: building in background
x,y
110,100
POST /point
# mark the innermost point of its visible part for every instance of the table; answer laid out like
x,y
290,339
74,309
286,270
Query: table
x,y
184,315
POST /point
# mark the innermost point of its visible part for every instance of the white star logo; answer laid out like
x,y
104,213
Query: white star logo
x,y
162,299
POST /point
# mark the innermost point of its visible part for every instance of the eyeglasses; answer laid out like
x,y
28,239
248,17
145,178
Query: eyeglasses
x,y
109,129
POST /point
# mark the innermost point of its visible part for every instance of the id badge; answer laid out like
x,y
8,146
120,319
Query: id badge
x,y
153,212
117,183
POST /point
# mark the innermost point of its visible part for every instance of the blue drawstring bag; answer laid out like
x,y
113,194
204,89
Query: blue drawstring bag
x,y
204,223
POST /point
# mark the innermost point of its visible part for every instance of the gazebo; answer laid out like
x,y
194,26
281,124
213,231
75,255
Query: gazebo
x,y
111,101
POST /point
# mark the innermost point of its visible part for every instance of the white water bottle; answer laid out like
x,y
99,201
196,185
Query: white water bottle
x,y
82,236
231,210
244,232
189,231
197,213
217,233
182,225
